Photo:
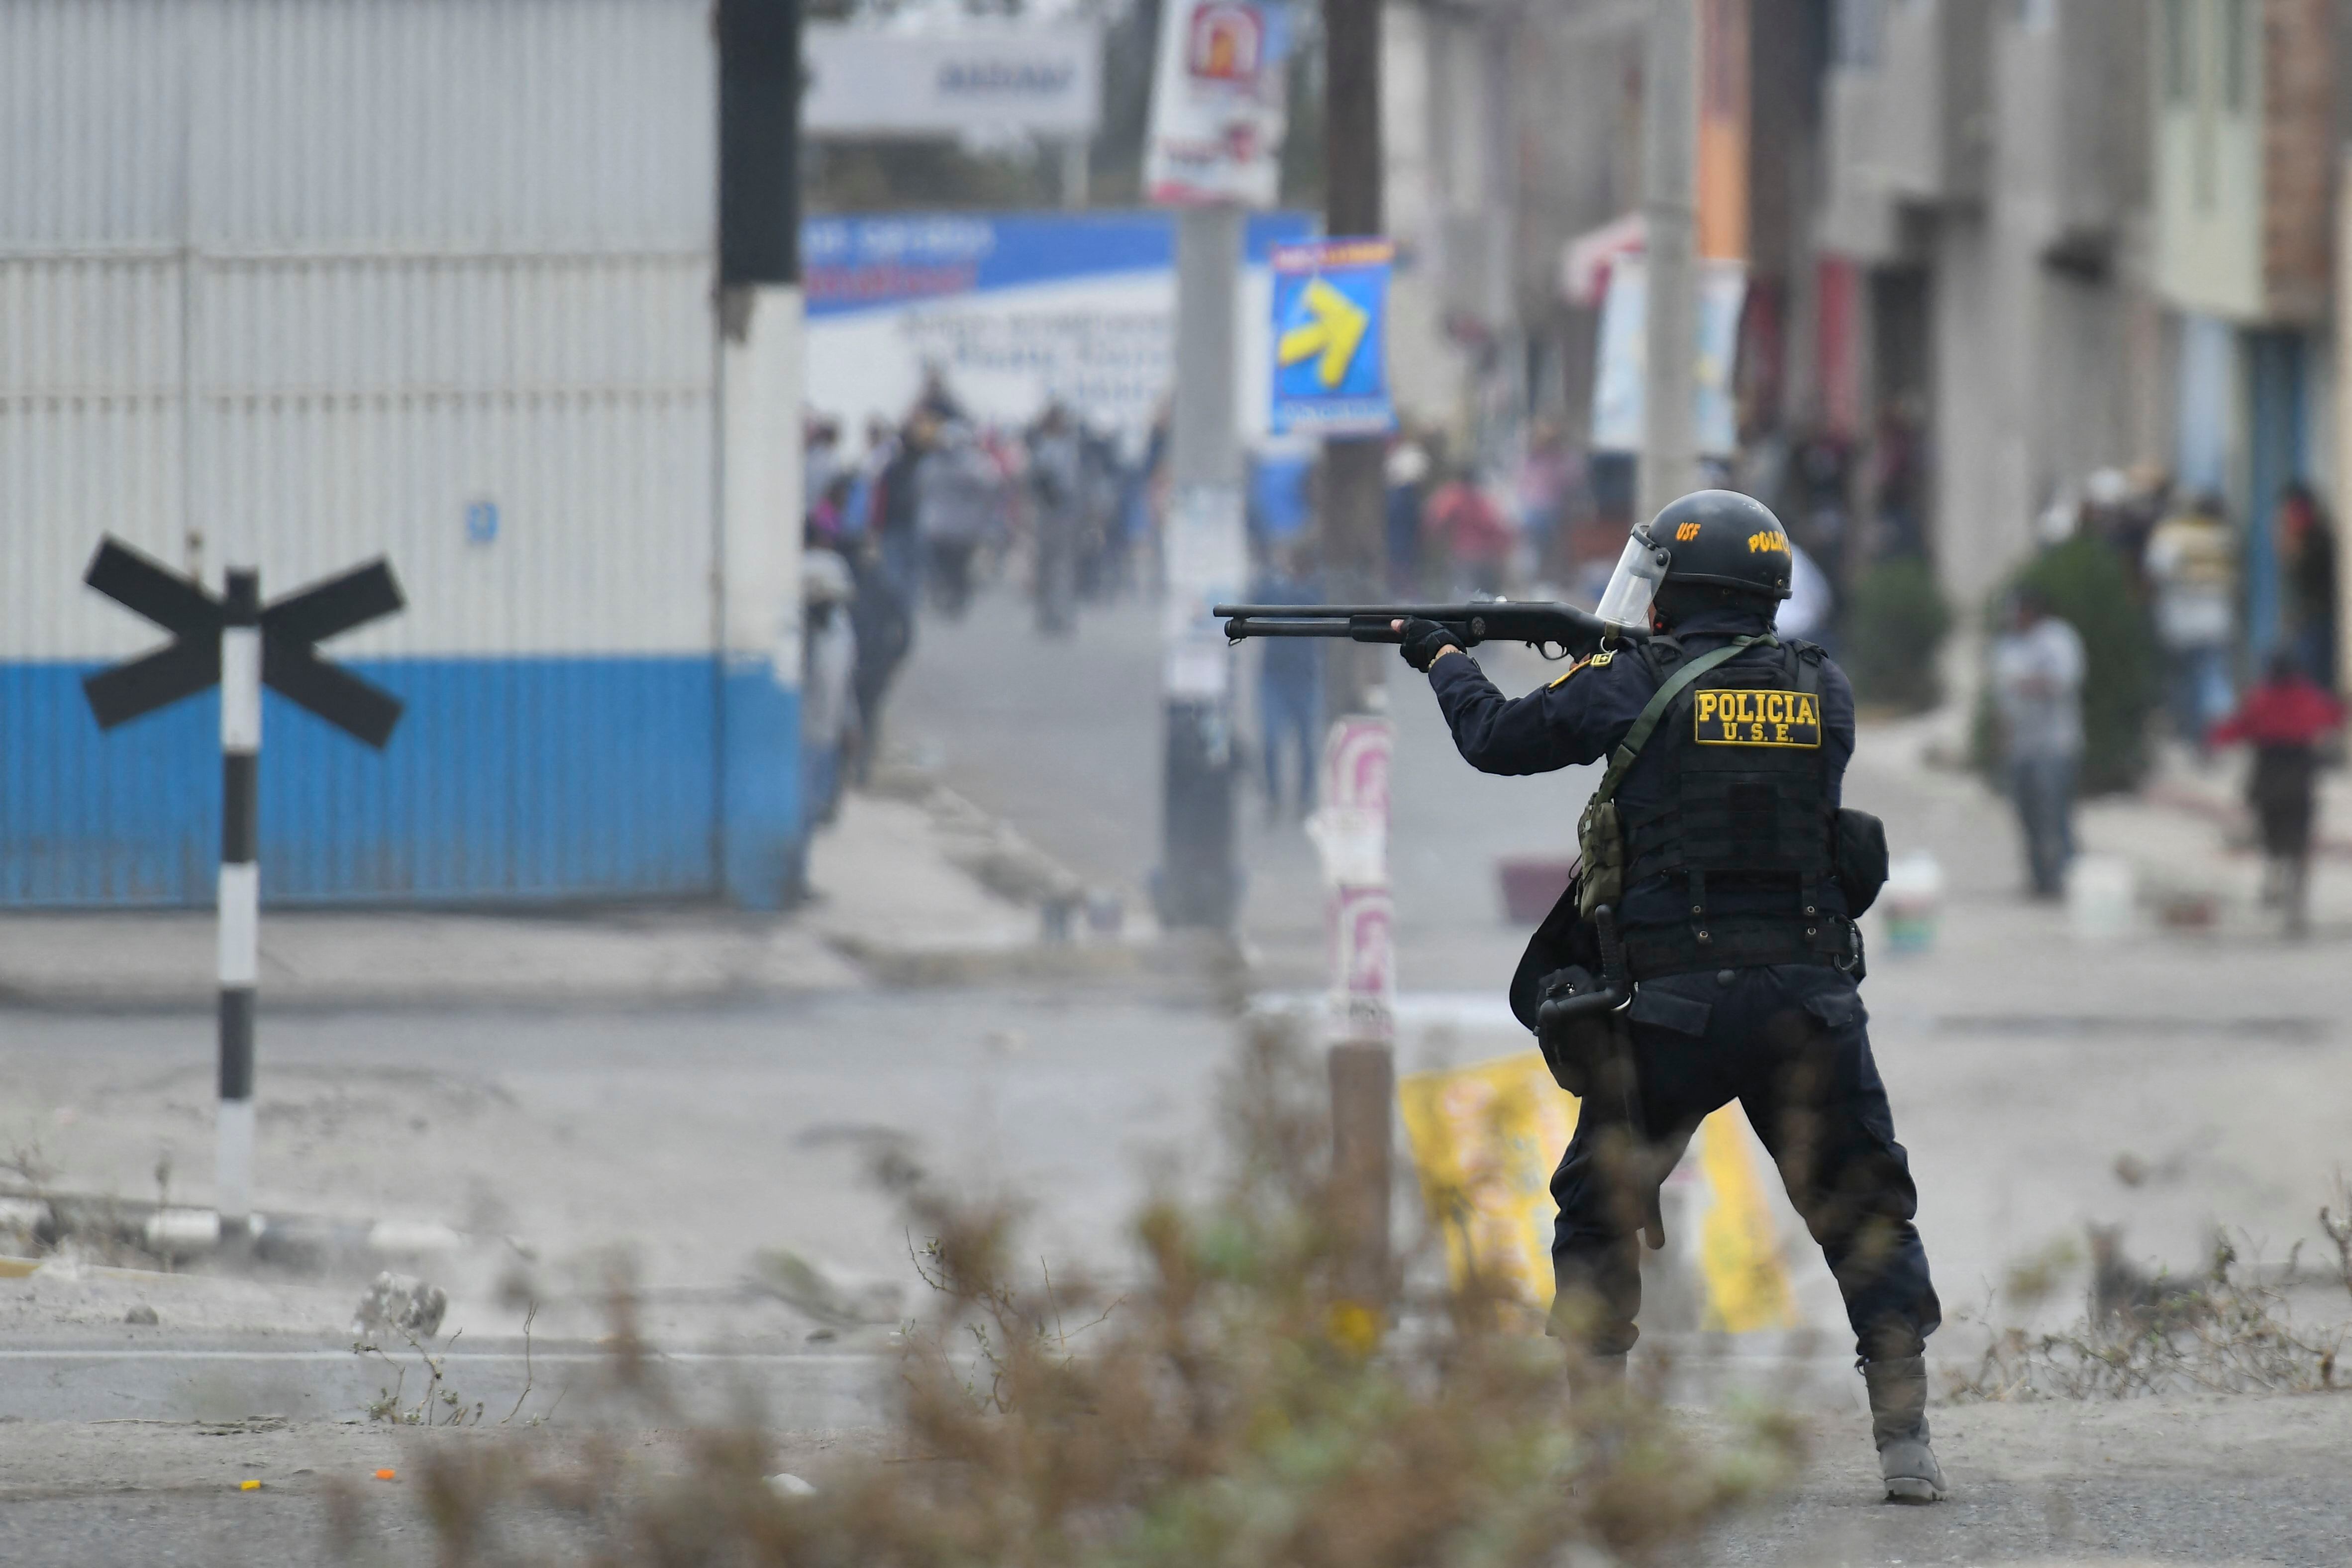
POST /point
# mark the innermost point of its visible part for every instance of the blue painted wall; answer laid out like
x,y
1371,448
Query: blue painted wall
x,y
509,779
762,861
2277,451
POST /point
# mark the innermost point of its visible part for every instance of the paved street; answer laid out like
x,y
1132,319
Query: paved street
x,y
1084,781
2022,1062
690,1139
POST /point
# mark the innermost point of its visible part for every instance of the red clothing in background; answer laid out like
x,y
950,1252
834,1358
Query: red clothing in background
x,y
2296,711
2285,719
1471,527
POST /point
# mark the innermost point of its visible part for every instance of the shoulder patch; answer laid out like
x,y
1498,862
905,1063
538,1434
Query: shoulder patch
x,y
1564,674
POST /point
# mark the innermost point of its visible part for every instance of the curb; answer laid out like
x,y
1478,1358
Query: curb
x,y
288,1242
1016,915
321,961
932,968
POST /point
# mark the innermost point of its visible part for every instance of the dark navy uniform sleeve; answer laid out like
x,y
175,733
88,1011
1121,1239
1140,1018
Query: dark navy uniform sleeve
x,y
1577,718
1837,724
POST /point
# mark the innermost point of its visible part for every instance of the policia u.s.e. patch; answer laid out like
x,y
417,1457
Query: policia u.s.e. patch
x,y
1734,718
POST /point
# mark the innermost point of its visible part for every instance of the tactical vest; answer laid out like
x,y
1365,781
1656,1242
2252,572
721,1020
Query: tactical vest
x,y
1740,747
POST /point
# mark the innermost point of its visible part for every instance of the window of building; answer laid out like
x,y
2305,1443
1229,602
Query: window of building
x,y
2178,40
1857,32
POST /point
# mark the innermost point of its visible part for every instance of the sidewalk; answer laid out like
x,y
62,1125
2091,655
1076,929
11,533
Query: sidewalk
x,y
2187,833
2217,794
904,891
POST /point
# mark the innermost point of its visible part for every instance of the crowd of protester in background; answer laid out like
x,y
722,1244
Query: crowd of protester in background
x,y
931,509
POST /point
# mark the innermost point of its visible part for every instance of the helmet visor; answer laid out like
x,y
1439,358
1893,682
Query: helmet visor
x,y
1626,602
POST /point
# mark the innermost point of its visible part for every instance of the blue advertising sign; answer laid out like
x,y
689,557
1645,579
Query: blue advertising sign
x,y
1012,309
1330,337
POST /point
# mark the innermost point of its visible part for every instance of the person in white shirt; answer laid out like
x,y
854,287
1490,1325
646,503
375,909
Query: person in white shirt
x,y
2037,680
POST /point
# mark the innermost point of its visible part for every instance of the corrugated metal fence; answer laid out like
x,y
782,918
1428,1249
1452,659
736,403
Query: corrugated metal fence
x,y
298,282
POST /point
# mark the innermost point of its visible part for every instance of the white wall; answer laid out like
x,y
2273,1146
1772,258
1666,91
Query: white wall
x,y
295,285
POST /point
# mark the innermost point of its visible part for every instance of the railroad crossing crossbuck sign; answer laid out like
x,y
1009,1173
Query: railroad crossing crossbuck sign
x,y
289,630
232,642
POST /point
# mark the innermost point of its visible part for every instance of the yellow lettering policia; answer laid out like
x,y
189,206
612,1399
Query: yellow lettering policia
x,y
1758,718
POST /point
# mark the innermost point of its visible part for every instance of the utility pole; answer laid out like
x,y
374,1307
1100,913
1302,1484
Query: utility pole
x,y
1200,884
1354,545
2343,651
1670,215
1362,1064
1506,396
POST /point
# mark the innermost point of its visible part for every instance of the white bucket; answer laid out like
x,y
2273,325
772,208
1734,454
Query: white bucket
x,y
2099,898
1913,897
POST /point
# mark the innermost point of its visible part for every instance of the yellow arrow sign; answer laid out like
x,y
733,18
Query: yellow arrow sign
x,y
1337,329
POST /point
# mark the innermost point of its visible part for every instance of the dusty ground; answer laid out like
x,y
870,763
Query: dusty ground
x,y
687,1144
174,1492
2211,1481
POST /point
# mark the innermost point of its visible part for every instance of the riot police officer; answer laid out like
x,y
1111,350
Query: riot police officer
x,y
1718,849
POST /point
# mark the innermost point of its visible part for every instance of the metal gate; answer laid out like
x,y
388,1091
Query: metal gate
x,y
291,284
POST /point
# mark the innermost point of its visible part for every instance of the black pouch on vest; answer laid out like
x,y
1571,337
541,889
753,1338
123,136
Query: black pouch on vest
x,y
1861,859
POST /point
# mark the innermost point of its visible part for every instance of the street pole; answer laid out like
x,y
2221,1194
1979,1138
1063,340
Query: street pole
x,y
1355,560
1355,552
1670,215
238,895
2343,650
1503,417
1199,883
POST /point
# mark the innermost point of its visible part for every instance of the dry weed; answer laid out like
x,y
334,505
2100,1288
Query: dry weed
x,y
1233,1407
2229,1331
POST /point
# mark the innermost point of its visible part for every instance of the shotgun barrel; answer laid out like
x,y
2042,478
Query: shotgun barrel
x,y
1540,624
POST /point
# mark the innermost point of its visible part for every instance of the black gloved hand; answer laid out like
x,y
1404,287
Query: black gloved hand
x,y
1423,641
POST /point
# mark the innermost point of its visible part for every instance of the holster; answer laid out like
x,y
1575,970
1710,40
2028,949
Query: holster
x,y
1578,1049
1592,1057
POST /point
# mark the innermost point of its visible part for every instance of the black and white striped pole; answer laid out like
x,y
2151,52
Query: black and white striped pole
x,y
236,642
240,890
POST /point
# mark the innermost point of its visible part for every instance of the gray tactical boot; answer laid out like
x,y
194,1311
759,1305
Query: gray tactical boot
x,y
1596,1403
1597,1377
1898,1423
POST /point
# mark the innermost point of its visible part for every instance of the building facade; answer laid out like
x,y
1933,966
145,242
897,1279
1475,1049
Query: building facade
x,y
2246,126
1994,248
295,285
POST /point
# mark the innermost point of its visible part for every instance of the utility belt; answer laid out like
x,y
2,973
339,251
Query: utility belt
x,y
1742,942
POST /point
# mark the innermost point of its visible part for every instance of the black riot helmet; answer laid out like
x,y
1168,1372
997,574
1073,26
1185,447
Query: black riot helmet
x,y
1717,537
